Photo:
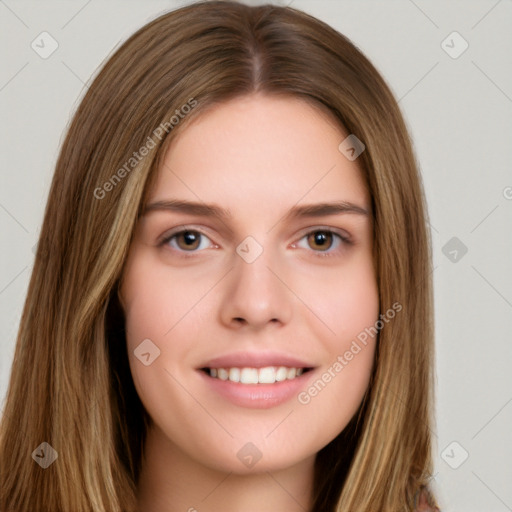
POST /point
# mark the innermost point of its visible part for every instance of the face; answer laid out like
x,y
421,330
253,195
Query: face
x,y
248,282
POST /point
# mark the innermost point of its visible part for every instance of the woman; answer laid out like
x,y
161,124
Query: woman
x,y
231,301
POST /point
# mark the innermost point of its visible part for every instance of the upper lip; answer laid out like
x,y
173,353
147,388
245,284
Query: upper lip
x,y
255,360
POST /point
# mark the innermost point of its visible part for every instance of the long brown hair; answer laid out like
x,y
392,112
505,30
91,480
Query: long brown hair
x,y
70,384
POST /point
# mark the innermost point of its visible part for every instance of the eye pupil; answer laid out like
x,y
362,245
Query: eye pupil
x,y
319,239
190,239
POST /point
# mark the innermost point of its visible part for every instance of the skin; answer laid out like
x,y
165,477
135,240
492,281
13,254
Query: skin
x,y
257,156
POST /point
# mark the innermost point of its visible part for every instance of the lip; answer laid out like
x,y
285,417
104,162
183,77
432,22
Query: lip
x,y
257,396
255,360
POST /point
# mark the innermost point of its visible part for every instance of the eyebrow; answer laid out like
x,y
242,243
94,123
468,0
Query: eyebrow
x,y
297,212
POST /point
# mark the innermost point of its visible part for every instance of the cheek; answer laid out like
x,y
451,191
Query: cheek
x,y
159,302
156,312
166,324
348,304
346,300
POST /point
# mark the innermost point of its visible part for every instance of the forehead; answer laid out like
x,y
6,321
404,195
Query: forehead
x,y
258,150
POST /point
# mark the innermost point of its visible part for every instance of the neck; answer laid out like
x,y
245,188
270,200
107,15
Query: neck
x,y
170,481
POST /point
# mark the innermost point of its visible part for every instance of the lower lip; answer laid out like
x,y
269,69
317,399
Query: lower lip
x,y
257,396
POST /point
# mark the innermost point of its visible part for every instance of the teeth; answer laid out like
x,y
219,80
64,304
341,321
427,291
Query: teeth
x,y
234,374
291,373
281,373
267,375
249,376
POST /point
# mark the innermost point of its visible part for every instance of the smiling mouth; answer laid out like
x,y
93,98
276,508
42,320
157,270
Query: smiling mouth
x,y
247,375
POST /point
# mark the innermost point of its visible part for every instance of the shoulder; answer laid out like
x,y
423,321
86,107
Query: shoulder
x,y
425,502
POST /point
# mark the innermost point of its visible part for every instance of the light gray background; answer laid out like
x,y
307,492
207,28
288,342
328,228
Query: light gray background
x,y
459,112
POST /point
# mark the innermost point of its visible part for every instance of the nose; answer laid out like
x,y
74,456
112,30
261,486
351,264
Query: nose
x,y
256,294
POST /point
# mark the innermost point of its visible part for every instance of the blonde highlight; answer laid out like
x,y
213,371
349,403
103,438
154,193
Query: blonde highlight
x,y
72,327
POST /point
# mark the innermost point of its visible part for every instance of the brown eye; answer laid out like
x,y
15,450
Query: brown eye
x,y
320,240
188,240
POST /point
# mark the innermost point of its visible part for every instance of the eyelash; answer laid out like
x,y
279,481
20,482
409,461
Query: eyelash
x,y
343,240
